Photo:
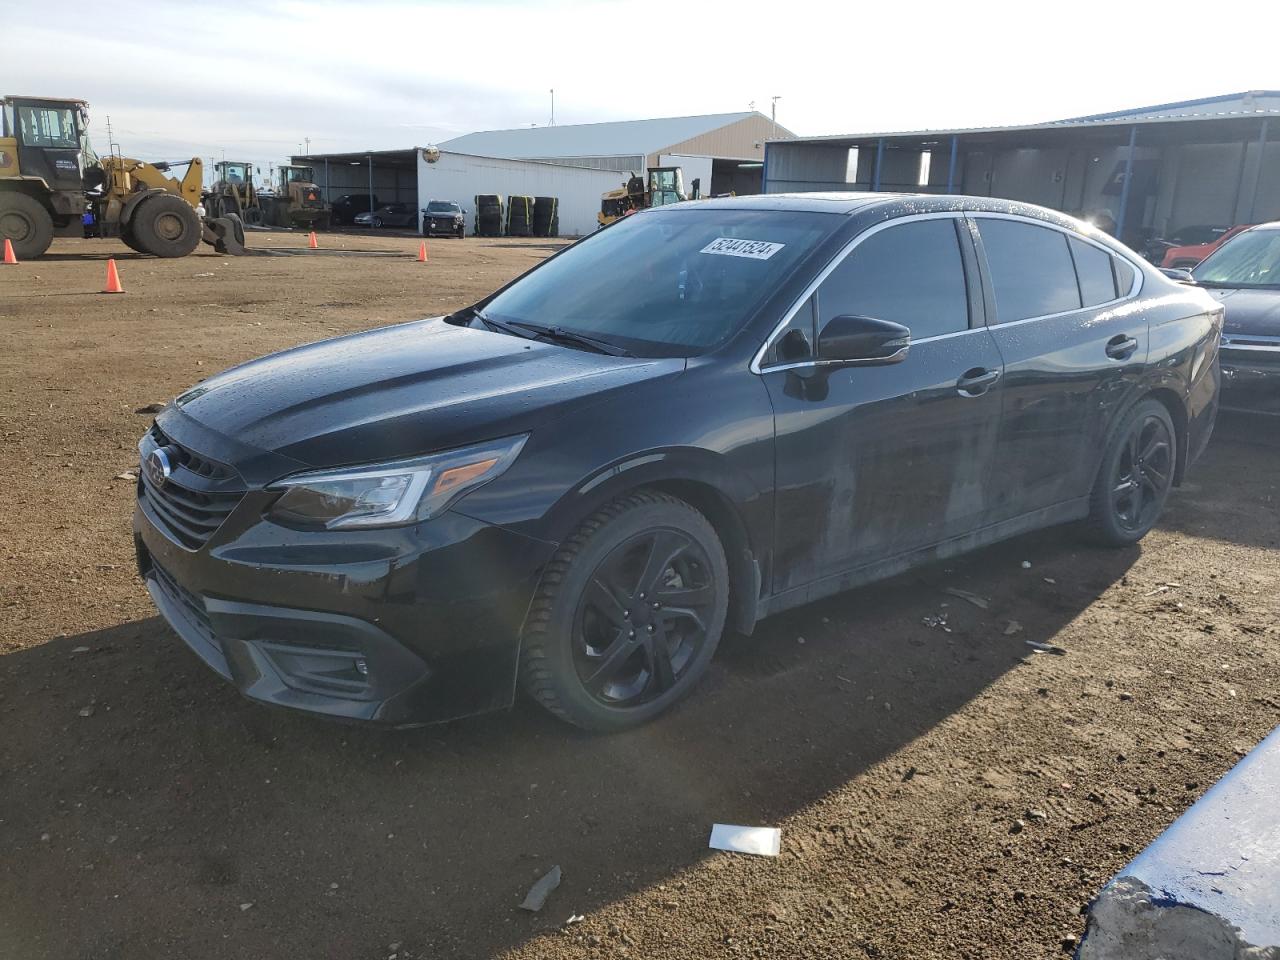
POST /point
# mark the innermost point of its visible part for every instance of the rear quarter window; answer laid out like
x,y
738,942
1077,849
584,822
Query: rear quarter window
x,y
1093,268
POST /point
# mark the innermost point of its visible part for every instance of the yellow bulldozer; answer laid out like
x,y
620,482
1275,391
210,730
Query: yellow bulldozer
x,y
233,192
53,184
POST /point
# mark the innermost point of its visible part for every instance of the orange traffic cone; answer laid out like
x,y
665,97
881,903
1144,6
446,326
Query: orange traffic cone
x,y
422,251
113,279
311,241
8,252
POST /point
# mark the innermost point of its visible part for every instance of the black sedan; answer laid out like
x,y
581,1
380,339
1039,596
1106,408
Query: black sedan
x,y
695,418
1244,275
443,218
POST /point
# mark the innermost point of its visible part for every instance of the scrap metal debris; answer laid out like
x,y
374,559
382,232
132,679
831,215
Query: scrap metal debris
x,y
973,598
762,841
937,622
538,893
1039,647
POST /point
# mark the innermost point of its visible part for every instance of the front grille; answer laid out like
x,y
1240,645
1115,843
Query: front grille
x,y
192,607
196,498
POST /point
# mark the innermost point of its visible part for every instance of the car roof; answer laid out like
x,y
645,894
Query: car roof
x,y
884,205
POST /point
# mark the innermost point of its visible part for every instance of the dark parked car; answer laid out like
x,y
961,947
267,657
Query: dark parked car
x,y
389,215
697,417
347,206
1244,275
443,218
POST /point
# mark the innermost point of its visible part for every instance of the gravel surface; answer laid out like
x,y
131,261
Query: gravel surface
x,y
943,790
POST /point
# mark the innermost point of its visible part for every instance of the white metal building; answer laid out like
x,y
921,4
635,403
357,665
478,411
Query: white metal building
x,y
724,151
460,177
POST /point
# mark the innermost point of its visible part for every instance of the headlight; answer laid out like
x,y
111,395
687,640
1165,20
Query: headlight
x,y
390,494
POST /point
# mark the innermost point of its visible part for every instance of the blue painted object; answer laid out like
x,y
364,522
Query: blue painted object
x,y
1220,858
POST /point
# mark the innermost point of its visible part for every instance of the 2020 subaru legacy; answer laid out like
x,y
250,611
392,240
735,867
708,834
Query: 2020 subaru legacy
x,y
703,415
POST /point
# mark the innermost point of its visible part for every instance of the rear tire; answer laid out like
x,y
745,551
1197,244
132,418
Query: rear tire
x,y
127,238
165,226
628,615
1135,477
26,223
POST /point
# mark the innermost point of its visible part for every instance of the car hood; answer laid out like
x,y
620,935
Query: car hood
x,y
397,392
1254,312
446,216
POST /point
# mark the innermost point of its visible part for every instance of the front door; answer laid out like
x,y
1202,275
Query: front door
x,y
874,462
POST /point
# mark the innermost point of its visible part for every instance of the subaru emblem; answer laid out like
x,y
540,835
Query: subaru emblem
x,y
158,467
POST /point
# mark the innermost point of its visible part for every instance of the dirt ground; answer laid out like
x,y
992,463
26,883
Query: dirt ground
x,y
941,794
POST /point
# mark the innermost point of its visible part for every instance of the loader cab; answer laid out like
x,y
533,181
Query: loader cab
x,y
295,174
48,138
231,172
666,185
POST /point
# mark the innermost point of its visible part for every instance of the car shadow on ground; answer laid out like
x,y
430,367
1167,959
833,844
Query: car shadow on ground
x,y
160,793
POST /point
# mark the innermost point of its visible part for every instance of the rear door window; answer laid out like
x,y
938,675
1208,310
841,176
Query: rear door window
x,y
1093,268
1031,269
910,273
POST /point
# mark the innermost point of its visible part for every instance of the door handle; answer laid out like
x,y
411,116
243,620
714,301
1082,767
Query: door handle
x,y
976,382
1121,347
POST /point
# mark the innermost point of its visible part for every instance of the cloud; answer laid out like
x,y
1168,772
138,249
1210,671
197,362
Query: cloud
x,y
255,80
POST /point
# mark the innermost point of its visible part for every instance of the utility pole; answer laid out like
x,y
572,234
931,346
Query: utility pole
x,y
553,106
308,141
773,116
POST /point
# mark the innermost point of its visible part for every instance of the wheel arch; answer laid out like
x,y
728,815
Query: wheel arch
x,y
1172,401
704,482
1178,414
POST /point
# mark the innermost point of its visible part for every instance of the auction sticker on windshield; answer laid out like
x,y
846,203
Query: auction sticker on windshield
x,y
751,249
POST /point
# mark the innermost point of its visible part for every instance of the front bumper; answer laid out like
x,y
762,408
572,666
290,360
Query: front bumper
x,y
402,626
441,228
1251,373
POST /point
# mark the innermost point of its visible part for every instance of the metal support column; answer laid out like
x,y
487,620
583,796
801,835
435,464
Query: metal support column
x,y
951,168
1124,189
875,177
371,189
1257,173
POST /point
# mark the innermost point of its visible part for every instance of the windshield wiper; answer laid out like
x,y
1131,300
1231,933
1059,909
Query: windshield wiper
x,y
502,326
561,335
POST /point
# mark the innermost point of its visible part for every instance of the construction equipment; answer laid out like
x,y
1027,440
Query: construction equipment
x,y
53,184
664,185
295,200
233,192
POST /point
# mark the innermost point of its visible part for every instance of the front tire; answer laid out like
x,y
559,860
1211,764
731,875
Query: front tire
x,y
628,615
1135,477
165,226
26,223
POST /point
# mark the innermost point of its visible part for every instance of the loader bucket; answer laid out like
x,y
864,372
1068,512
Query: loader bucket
x,y
226,235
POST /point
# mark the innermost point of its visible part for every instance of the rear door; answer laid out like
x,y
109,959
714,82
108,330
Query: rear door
x,y
1074,346
873,462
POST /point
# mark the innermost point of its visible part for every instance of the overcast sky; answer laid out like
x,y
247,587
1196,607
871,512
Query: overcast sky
x,y
254,80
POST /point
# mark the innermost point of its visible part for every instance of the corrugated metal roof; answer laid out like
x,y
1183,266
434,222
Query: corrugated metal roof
x,y
1257,103
616,139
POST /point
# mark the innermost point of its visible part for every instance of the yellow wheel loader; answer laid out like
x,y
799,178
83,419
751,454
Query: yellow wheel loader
x,y
295,201
233,193
52,184
665,185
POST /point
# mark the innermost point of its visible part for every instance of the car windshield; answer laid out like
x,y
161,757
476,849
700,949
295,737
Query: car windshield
x,y
665,282
1199,234
439,206
1249,259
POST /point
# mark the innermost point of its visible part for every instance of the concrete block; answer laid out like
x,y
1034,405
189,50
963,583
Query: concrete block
x,y
1208,888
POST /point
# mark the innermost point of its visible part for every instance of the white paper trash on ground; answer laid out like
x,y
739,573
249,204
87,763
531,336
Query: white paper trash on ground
x,y
763,841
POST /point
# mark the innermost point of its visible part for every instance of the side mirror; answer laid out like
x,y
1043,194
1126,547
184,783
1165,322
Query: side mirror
x,y
867,340
1177,273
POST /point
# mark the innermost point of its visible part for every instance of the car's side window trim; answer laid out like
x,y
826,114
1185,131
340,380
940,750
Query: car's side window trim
x,y
993,320
757,366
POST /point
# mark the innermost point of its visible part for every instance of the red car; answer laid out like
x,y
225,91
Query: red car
x,y
1210,239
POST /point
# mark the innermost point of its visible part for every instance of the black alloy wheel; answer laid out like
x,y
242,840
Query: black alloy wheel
x,y
628,614
1136,476
643,618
